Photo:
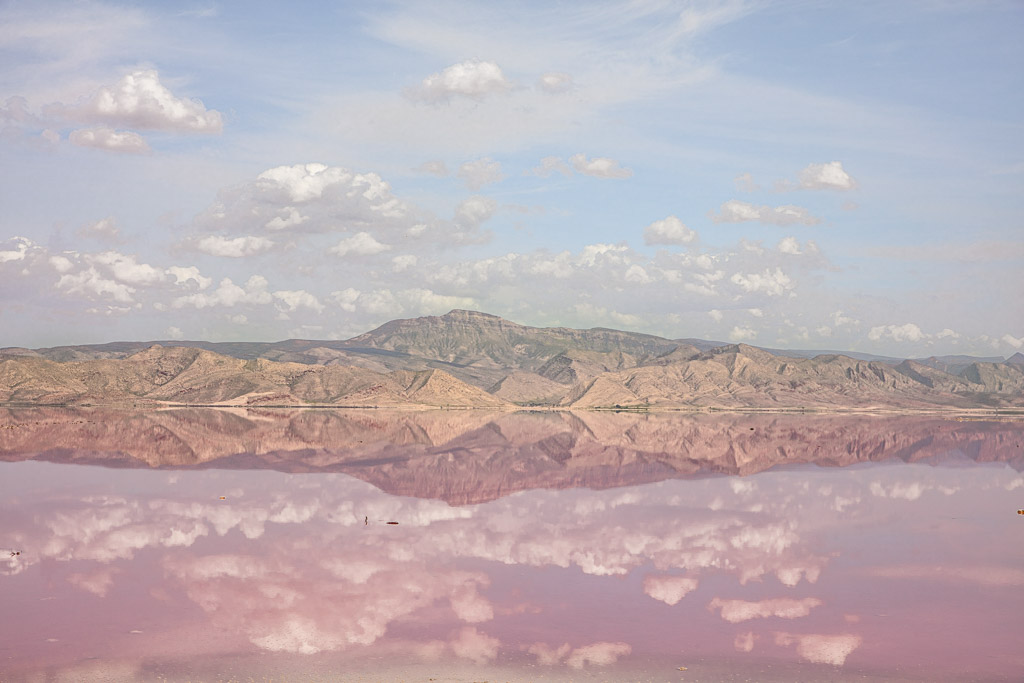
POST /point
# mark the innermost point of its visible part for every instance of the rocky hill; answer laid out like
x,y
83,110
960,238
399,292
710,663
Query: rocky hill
x,y
180,375
465,358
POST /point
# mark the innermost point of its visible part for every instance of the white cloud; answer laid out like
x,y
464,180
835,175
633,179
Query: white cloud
x,y
669,230
403,262
437,168
289,219
789,245
19,252
183,275
295,299
830,176
906,332
229,294
109,139
89,281
669,589
174,332
427,302
555,82
738,334
305,182
735,211
839,319
140,100
359,244
471,212
549,165
735,611
599,167
745,183
821,649
773,283
481,172
472,79
126,268
1008,339
715,315
61,264
236,247
103,229
346,299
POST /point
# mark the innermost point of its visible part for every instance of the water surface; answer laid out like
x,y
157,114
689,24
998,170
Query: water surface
x,y
209,544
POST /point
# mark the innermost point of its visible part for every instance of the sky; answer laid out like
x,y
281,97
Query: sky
x,y
792,174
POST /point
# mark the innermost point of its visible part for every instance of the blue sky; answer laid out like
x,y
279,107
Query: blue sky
x,y
787,174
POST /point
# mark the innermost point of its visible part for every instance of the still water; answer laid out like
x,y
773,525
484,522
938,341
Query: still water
x,y
216,545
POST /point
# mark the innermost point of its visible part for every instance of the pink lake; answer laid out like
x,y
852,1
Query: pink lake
x,y
228,545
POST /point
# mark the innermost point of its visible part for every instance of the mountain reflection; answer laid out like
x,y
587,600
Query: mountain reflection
x,y
465,457
793,574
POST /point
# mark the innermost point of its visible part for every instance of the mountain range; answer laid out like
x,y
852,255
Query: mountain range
x,y
472,359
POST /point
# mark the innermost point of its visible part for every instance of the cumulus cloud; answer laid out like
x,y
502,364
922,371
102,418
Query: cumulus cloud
x,y
404,262
472,79
183,275
829,176
228,294
1008,339
789,245
906,332
306,199
599,167
820,649
139,100
549,165
103,229
735,211
289,218
745,183
237,247
21,246
669,230
738,334
772,283
668,589
470,213
481,172
359,244
110,140
292,300
126,268
554,82
437,168
735,611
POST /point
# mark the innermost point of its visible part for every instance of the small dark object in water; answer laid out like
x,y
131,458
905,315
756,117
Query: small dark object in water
x,y
366,520
392,522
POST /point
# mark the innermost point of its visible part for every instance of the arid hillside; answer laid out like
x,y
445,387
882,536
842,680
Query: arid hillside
x,y
470,359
